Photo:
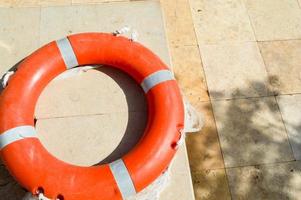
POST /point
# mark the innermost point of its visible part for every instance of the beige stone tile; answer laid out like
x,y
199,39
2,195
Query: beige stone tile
x,y
178,21
234,70
188,69
277,181
5,3
73,139
203,148
180,183
275,19
211,185
221,21
105,90
24,3
93,1
88,18
55,2
251,131
283,64
13,45
179,188
180,162
290,107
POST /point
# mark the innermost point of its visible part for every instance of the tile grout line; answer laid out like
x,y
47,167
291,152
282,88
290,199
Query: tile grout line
x,y
40,26
243,166
299,3
254,97
263,164
89,115
250,20
286,131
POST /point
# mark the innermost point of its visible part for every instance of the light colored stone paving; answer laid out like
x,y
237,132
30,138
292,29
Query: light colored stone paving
x,y
211,184
75,2
234,70
178,22
221,21
290,107
91,17
275,19
188,69
251,132
283,64
277,181
111,89
13,45
72,139
33,3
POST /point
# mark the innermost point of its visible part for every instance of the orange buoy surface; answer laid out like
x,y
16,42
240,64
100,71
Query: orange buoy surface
x,y
38,171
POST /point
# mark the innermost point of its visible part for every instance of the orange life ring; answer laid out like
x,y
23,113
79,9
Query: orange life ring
x,y
38,171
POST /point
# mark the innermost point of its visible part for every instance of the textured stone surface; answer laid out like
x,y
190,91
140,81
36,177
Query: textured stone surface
x,y
102,91
234,70
87,140
99,18
178,22
218,21
13,45
275,19
211,185
283,64
188,69
277,181
251,132
290,107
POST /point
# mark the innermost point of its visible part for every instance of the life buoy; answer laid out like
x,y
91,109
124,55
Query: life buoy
x,y
38,171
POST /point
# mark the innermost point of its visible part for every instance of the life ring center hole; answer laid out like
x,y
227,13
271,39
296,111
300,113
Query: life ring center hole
x,y
91,117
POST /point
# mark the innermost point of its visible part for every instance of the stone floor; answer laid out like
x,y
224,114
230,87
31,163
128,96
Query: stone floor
x,y
239,63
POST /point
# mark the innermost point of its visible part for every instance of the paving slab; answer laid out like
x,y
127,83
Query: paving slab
x,y
87,140
99,91
251,132
93,1
203,147
99,18
275,19
277,181
179,24
283,64
221,21
234,70
290,107
13,45
188,69
211,185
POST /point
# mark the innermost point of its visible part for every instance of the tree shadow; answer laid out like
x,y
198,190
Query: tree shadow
x,y
257,153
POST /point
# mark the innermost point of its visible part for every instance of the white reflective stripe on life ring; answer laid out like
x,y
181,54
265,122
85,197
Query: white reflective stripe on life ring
x,y
67,53
156,78
122,178
16,134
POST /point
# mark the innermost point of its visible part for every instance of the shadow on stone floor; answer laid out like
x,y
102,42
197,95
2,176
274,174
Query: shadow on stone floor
x,y
252,135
